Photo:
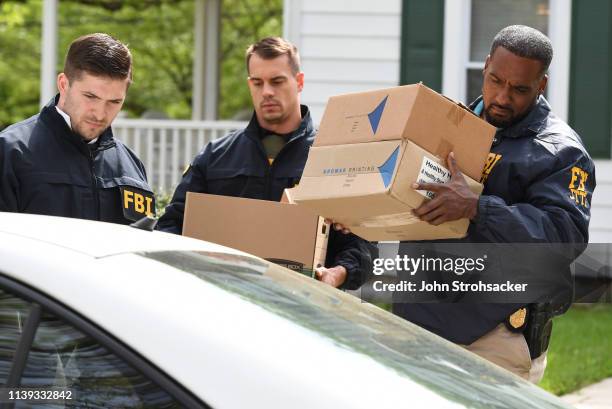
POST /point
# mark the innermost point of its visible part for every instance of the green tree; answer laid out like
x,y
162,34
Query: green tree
x,y
20,32
160,35
243,23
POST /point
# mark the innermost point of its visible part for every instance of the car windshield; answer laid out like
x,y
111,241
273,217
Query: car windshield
x,y
363,328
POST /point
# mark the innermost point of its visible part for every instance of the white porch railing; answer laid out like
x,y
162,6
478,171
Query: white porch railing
x,y
167,147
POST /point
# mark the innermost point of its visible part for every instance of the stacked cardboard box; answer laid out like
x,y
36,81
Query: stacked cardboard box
x,y
372,146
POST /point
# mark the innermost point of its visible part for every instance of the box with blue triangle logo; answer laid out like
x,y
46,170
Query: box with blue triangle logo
x,y
372,146
367,187
412,112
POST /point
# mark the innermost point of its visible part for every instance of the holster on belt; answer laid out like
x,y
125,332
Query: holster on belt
x,y
535,322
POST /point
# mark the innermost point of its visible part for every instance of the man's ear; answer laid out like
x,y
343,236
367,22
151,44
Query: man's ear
x,y
543,84
487,61
300,80
62,83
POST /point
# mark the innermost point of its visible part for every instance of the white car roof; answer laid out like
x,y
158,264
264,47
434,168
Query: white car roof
x,y
208,332
97,239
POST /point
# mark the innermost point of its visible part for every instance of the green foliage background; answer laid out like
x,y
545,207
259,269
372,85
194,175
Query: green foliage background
x,y
160,36
580,348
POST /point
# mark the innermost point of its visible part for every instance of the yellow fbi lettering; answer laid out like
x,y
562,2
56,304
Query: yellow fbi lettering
x,y
577,187
139,203
492,160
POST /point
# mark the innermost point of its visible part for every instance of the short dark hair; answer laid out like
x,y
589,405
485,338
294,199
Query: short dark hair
x,y
98,54
525,42
272,47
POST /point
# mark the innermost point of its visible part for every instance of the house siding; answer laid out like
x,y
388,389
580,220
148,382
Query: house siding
x,y
345,46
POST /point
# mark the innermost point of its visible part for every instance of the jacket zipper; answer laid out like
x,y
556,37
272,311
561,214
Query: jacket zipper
x,y
268,181
94,186
268,173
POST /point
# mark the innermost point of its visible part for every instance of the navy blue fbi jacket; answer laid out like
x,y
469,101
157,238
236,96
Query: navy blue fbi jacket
x,y
45,168
538,183
237,165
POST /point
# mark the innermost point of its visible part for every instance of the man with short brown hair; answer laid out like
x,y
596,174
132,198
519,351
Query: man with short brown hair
x,y
272,47
65,160
268,156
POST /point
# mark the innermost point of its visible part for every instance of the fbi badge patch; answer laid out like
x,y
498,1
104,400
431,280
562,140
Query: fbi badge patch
x,y
136,203
577,187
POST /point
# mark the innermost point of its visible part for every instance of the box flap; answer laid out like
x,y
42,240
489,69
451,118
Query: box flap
x,y
287,197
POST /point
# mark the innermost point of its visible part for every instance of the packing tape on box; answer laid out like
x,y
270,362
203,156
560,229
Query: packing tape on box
x,y
387,220
456,114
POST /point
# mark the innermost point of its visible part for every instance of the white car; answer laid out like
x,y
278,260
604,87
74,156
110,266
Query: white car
x,y
124,318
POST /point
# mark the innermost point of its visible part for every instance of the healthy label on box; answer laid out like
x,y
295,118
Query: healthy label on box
x,y
432,172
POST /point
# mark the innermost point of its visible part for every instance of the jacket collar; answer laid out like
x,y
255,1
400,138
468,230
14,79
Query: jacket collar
x,y
305,128
60,128
532,124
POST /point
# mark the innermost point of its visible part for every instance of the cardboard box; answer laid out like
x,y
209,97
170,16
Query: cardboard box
x,y
366,186
413,112
282,233
370,148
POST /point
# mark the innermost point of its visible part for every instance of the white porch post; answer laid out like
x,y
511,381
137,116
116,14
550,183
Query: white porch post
x,y
211,80
559,28
206,59
197,102
48,59
455,56
292,21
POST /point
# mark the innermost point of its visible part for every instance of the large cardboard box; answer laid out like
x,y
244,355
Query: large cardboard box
x,y
366,187
414,112
372,146
283,233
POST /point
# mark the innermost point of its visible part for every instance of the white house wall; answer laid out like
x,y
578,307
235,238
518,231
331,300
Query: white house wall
x,y
600,229
345,46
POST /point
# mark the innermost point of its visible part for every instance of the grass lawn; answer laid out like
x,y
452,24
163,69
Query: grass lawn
x,y
580,351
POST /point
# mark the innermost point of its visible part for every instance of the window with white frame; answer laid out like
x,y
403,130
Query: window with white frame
x,y
487,18
469,28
